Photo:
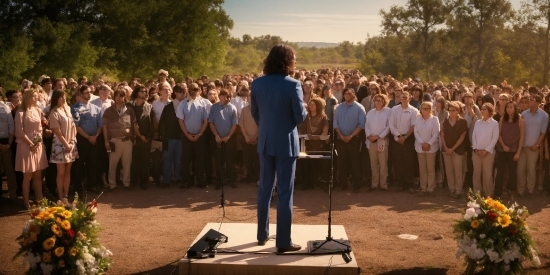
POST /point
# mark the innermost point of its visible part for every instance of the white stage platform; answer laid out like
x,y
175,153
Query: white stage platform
x,y
242,237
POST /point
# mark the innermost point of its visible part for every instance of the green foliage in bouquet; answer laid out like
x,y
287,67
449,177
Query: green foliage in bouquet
x,y
63,239
494,238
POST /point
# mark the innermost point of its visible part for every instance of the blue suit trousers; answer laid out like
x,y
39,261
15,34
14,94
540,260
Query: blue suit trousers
x,y
285,167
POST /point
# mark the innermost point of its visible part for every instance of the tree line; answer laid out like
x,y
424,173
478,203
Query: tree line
x,y
486,41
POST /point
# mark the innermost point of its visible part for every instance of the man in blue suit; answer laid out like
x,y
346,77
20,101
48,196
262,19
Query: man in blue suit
x,y
277,106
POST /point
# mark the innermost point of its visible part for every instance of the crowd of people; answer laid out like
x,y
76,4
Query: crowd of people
x,y
416,136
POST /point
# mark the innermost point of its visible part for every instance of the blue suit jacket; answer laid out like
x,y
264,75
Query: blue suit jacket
x,y
277,105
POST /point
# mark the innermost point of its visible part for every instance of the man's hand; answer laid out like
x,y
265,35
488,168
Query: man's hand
x,y
449,151
401,140
218,139
225,139
107,146
482,153
534,148
425,147
143,138
92,139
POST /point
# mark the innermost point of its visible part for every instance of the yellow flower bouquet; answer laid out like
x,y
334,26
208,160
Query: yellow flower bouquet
x,y
63,239
494,238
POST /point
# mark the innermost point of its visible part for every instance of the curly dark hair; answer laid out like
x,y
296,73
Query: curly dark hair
x,y
279,60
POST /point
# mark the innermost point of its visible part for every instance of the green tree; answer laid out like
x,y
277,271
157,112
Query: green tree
x,y
535,19
419,17
184,37
477,25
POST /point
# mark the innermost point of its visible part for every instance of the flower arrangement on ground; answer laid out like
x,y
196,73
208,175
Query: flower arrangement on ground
x,y
494,238
63,239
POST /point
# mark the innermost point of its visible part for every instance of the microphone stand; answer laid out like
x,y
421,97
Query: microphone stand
x,y
345,252
222,179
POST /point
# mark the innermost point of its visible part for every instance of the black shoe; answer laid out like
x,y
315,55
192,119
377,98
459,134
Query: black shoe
x,y
218,187
233,185
128,188
183,186
370,189
262,243
163,185
292,247
143,186
111,189
356,189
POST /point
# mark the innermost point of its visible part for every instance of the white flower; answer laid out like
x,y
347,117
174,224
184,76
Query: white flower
x,y
80,267
520,211
31,259
482,236
46,268
470,213
493,255
88,259
511,254
472,204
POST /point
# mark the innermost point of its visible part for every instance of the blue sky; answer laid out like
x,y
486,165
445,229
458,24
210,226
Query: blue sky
x,y
311,21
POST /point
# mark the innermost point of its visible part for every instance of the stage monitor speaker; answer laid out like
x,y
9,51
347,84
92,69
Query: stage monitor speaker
x,y
206,246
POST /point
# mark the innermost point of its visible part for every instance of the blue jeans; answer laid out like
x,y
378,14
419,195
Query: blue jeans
x,y
172,159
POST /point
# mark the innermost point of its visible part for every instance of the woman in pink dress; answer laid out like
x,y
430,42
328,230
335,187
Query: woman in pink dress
x,y
64,150
31,155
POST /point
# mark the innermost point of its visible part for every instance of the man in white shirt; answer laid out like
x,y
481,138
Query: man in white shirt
x,y
103,102
402,121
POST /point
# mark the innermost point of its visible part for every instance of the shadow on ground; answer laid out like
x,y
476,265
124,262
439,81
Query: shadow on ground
x,y
310,202
168,269
417,271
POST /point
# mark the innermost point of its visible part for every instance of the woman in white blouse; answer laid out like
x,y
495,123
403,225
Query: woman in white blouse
x,y
377,129
484,139
426,144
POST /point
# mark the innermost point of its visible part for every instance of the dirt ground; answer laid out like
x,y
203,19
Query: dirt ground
x,y
149,230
